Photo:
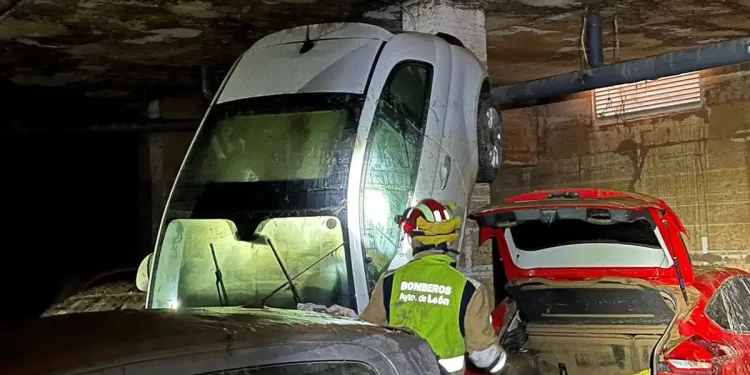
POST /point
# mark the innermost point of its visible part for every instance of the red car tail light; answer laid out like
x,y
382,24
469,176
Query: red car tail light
x,y
697,357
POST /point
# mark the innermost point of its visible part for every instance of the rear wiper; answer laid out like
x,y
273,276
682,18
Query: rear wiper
x,y
221,290
289,280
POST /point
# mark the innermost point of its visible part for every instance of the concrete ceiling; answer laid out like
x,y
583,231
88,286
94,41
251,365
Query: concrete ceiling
x,y
126,44
529,39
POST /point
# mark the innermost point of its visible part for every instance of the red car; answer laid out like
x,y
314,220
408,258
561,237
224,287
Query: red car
x,y
601,282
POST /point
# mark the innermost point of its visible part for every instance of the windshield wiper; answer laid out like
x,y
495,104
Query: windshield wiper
x,y
290,280
221,290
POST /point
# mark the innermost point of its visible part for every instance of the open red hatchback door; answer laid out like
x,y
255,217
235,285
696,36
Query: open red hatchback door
x,y
580,234
605,270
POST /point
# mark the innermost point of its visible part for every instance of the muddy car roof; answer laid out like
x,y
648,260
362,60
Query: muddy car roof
x,y
87,342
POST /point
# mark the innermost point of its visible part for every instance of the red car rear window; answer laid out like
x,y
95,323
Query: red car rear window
x,y
535,235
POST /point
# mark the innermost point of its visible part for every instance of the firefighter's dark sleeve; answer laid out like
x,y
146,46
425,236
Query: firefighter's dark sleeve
x,y
375,312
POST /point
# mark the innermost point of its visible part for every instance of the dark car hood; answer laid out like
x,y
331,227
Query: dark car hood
x,y
68,343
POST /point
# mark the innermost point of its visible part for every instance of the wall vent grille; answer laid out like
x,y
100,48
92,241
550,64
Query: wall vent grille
x,y
647,98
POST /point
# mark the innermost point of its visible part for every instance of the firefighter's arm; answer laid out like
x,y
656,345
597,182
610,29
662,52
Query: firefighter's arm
x,y
481,340
375,311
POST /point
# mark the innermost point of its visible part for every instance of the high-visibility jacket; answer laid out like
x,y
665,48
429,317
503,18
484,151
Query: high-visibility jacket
x,y
446,308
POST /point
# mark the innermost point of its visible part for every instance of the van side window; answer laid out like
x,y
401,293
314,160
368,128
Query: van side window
x,y
730,305
394,147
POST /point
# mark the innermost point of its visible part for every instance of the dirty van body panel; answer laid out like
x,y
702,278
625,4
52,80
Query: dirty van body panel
x,y
615,324
433,56
437,171
458,157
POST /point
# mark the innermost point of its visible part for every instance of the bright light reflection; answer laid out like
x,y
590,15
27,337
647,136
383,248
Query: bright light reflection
x,y
174,304
377,208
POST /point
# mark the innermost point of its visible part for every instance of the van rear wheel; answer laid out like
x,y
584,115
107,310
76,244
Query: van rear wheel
x,y
489,140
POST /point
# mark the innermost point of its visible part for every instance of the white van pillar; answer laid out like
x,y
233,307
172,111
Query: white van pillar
x,y
466,22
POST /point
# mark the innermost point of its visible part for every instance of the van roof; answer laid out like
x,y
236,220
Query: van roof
x,y
320,31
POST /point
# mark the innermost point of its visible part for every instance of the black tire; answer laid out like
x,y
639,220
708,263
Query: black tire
x,y
489,140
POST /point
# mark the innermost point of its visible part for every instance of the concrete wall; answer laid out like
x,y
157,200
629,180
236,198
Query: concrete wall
x,y
476,260
161,156
697,161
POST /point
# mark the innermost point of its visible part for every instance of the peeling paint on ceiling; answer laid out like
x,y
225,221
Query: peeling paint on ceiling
x,y
551,3
165,35
143,43
520,29
529,39
195,9
13,28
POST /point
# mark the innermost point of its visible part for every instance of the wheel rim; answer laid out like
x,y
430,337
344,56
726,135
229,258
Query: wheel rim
x,y
492,119
495,157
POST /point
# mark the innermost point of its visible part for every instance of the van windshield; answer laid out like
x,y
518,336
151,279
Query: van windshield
x,y
271,147
283,138
258,164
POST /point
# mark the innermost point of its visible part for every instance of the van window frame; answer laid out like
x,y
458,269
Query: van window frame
x,y
392,75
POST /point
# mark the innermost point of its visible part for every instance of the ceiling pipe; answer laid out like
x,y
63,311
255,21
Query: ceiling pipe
x,y
594,37
668,64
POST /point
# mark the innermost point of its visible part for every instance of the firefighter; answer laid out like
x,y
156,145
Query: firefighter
x,y
430,297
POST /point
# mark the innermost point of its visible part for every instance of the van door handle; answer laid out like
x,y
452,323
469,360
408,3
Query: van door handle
x,y
445,172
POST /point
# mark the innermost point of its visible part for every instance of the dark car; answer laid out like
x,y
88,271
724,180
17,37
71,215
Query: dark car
x,y
228,341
